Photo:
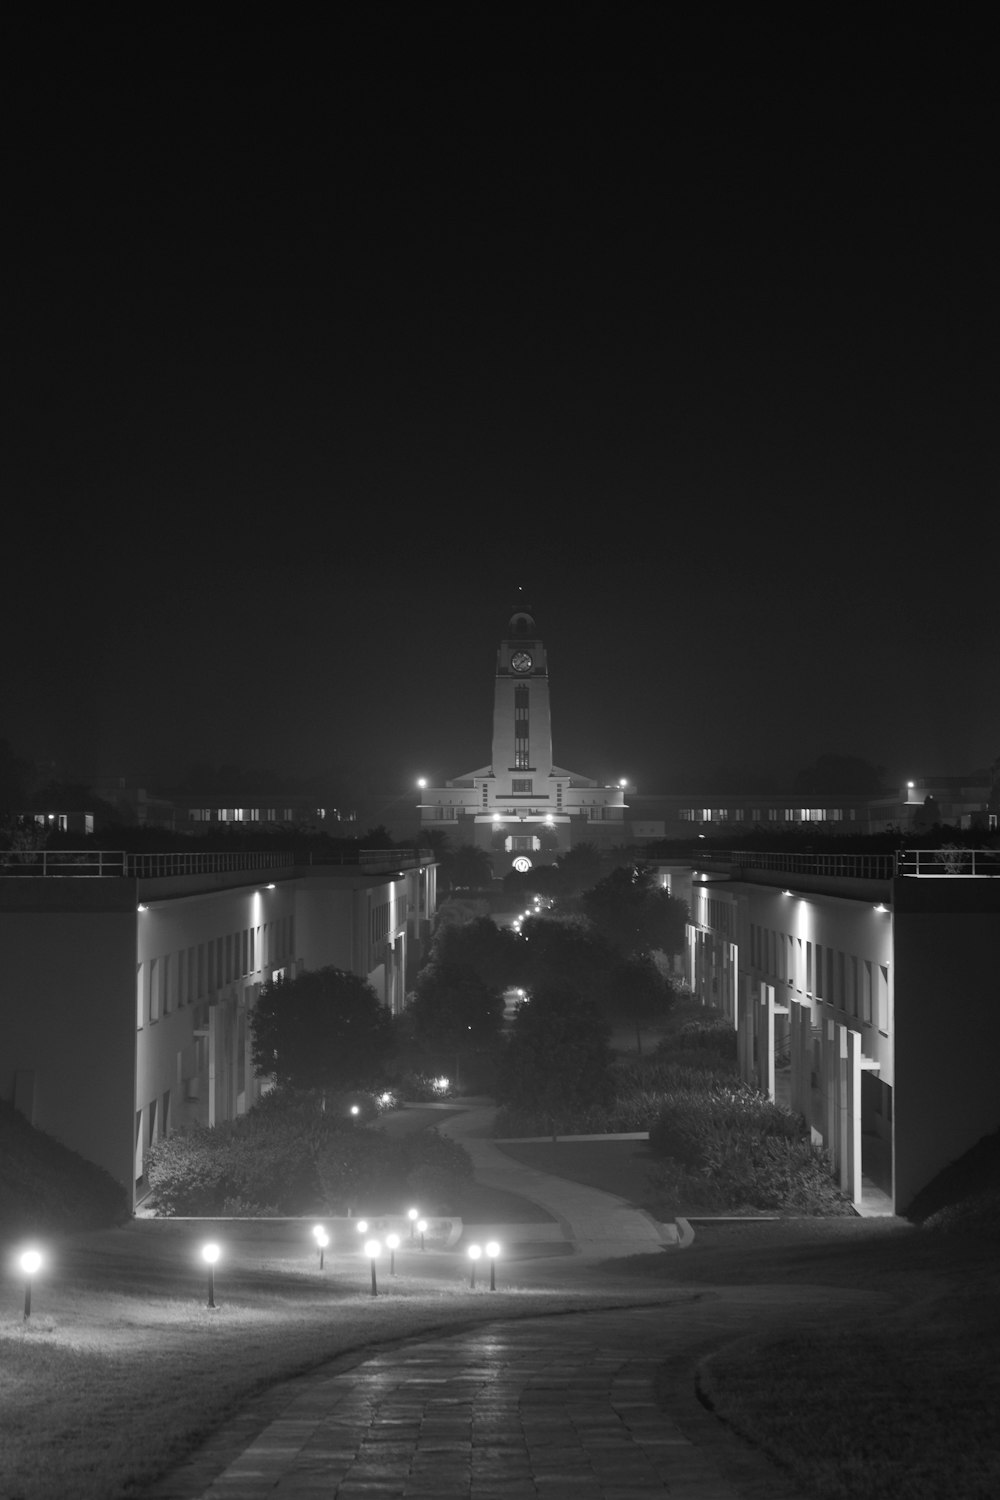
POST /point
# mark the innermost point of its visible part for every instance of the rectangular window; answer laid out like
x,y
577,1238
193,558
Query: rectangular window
x,y
151,1139
168,999
521,746
521,784
201,971
809,968
229,958
819,971
842,980
852,997
244,950
140,1008
218,963
830,991
883,999
253,948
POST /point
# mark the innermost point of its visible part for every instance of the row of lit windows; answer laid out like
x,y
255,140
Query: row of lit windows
x,y
174,980
766,815
247,814
859,987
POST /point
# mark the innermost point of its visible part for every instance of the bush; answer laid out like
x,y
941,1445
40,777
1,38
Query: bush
x,y
290,1156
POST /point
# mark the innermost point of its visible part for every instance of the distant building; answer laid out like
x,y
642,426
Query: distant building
x,y
522,806
843,976
128,981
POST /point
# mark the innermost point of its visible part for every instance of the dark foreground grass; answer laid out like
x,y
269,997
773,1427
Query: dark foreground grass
x,y
905,1403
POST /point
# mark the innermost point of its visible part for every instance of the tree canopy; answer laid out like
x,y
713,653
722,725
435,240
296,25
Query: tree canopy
x,y
634,914
491,951
558,1058
454,1008
325,1029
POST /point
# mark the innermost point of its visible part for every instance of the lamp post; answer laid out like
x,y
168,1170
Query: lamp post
x,y
492,1251
422,1230
210,1254
392,1241
31,1262
372,1249
413,1215
322,1240
475,1251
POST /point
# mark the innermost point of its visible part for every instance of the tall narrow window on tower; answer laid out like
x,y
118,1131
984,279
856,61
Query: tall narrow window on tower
x,y
521,758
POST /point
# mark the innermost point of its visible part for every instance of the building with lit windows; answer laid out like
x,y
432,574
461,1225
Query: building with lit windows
x,y
865,995
128,980
522,806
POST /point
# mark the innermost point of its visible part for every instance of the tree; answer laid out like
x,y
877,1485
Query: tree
x,y
468,868
325,1029
639,994
558,1058
564,951
454,1008
579,868
491,951
634,914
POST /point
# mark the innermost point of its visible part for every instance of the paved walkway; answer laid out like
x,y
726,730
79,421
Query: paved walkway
x,y
593,1223
581,1406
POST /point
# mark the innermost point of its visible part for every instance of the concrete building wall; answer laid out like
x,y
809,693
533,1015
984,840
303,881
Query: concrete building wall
x,y
67,1027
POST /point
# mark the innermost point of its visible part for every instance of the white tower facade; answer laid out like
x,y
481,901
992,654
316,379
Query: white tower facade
x,y
522,806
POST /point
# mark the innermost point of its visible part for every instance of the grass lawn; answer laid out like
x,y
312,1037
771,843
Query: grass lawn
x,y
122,1368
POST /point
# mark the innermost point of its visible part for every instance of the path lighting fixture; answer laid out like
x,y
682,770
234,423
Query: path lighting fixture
x,y
492,1251
392,1242
422,1230
362,1226
210,1254
373,1249
355,1109
322,1240
475,1251
31,1261
421,782
413,1214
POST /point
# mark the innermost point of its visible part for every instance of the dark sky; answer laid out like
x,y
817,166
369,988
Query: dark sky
x,y
320,339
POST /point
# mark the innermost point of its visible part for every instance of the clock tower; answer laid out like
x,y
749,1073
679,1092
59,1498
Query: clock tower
x,y
522,807
522,720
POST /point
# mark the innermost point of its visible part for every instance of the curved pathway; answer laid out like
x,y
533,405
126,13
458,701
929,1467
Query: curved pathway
x,y
579,1406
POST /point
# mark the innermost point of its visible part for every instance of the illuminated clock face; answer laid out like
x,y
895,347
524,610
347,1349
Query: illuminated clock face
x,y
521,661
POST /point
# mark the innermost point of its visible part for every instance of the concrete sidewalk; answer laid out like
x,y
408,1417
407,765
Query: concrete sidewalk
x,y
594,1224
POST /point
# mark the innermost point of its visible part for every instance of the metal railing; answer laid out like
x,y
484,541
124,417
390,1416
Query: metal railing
x,y
841,866
102,863
950,860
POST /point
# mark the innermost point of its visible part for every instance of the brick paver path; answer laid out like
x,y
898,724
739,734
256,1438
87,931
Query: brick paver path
x,y
551,1409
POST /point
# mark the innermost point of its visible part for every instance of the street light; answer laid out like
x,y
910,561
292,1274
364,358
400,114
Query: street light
x,y
492,1251
362,1226
413,1214
422,1230
322,1240
210,1254
373,1249
475,1251
31,1262
392,1241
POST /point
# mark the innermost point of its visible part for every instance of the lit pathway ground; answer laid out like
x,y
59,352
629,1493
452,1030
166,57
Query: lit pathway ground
x,y
596,1224
576,1406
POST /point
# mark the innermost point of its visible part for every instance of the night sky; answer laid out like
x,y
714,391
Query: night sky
x,y
321,340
